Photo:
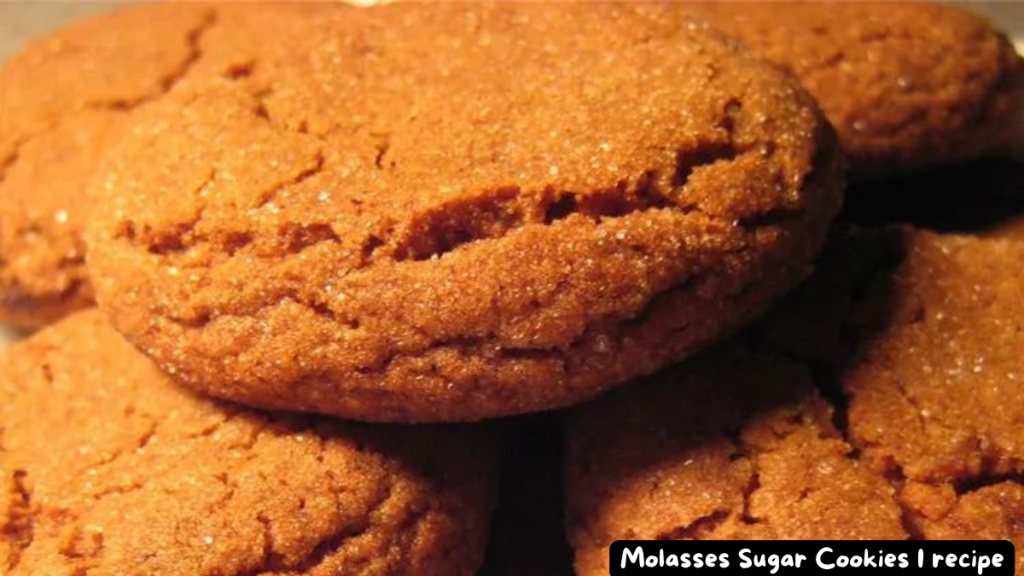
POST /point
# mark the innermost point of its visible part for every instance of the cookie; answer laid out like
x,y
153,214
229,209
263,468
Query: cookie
x,y
108,467
882,401
65,98
467,242
907,85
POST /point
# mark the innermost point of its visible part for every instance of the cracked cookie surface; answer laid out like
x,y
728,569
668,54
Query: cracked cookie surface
x,y
440,213
907,85
881,401
109,468
65,99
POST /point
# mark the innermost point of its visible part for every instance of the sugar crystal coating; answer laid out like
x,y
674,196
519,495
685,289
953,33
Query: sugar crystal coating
x,y
66,98
109,468
881,401
908,85
411,213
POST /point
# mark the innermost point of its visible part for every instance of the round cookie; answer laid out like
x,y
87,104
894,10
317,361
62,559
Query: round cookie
x,y
881,401
466,242
65,98
907,85
108,467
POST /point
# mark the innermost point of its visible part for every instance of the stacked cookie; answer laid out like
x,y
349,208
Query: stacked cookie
x,y
295,255
881,401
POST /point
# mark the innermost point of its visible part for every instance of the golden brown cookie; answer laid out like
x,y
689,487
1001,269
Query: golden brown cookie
x,y
735,445
107,467
882,401
65,98
426,213
908,85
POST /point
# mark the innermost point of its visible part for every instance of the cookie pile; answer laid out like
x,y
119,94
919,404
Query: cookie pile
x,y
301,270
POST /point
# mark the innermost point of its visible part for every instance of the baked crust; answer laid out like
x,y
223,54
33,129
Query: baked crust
x,y
908,85
66,98
881,401
108,467
516,220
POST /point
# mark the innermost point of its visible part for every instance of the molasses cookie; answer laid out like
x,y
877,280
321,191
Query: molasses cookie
x,y
65,98
108,467
882,401
442,213
907,85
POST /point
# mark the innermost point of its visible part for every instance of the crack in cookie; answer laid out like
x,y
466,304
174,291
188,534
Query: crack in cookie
x,y
865,406
110,467
50,146
907,86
